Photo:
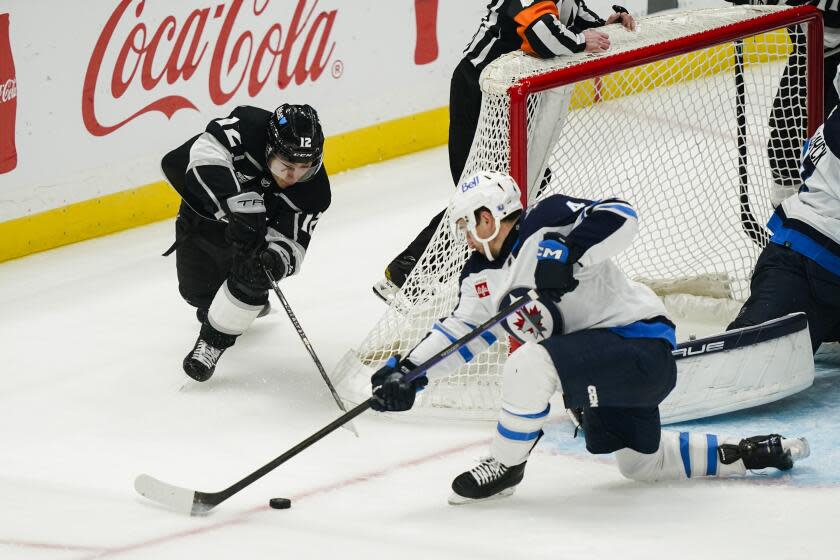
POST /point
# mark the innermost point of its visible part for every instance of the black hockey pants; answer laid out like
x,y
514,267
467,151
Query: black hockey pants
x,y
786,282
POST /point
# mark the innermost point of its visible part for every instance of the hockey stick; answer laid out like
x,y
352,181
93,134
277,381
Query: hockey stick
x,y
308,345
193,502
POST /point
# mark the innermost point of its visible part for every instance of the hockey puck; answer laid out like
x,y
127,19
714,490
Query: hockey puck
x,y
280,503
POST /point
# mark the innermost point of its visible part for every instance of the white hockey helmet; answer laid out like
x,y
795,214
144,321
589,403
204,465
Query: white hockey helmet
x,y
497,192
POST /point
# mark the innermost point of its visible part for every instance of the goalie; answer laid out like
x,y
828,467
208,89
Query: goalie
x,y
799,269
599,338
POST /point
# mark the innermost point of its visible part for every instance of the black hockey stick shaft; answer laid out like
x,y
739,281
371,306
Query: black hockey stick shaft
x,y
210,500
305,340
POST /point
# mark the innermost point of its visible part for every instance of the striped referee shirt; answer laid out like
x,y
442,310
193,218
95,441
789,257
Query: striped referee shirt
x,y
544,28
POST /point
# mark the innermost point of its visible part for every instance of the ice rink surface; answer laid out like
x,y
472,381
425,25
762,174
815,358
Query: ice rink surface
x,y
92,394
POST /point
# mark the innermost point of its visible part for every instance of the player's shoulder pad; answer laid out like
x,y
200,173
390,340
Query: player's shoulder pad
x,y
554,211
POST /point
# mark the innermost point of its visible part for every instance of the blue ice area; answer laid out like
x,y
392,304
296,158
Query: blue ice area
x,y
814,413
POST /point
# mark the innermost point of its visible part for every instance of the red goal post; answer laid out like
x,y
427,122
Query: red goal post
x,y
592,69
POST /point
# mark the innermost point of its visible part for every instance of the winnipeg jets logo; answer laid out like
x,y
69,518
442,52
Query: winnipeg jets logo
x,y
529,321
482,290
536,321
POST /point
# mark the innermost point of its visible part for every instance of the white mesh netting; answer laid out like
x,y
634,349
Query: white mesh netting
x,y
693,140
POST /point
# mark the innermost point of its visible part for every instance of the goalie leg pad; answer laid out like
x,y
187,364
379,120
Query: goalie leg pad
x,y
529,380
229,315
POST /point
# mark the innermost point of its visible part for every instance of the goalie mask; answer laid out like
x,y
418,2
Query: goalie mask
x,y
295,136
496,192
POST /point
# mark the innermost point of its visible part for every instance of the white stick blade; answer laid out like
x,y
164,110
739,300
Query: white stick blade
x,y
173,497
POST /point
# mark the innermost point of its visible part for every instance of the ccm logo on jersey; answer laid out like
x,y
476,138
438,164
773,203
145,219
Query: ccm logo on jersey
x,y
702,349
482,290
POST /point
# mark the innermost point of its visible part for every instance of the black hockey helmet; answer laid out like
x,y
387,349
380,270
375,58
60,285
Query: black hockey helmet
x,y
295,135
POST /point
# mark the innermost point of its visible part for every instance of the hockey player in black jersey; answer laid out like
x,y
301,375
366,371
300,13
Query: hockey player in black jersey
x,y
253,187
544,29
597,337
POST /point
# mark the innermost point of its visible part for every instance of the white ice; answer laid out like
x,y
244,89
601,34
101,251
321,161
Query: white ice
x,y
92,395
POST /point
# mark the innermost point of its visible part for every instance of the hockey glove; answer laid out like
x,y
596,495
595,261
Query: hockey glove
x,y
248,272
246,221
391,392
554,275
275,263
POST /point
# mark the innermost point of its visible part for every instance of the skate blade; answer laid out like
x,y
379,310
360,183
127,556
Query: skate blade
x,y
386,290
458,500
797,447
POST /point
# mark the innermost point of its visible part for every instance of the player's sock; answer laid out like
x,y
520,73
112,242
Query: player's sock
x,y
201,312
684,455
229,314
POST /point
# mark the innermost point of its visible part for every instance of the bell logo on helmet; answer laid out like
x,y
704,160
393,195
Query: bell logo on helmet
x,y
470,184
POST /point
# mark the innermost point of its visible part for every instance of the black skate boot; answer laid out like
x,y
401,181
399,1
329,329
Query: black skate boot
x,y
489,479
201,362
395,276
761,452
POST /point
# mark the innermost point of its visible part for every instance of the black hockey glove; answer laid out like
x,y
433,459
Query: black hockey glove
x,y
246,221
248,272
275,263
554,275
391,393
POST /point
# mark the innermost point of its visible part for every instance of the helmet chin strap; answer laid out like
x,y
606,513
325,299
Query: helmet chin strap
x,y
485,242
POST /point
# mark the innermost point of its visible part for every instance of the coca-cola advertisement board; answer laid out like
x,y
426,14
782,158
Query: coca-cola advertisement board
x,y
111,85
8,99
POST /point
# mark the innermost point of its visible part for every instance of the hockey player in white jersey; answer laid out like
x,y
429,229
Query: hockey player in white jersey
x,y
599,338
799,270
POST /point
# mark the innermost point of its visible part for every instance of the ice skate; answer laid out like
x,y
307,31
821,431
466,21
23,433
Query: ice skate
x,y
201,362
761,452
488,480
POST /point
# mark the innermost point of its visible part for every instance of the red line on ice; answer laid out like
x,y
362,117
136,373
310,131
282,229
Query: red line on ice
x,y
106,552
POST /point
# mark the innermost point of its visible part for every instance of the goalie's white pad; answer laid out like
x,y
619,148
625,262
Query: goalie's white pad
x,y
740,369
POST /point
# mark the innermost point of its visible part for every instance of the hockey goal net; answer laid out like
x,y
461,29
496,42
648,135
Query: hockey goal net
x,y
692,118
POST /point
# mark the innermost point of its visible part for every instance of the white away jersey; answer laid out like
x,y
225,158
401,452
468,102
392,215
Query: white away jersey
x,y
809,221
604,297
